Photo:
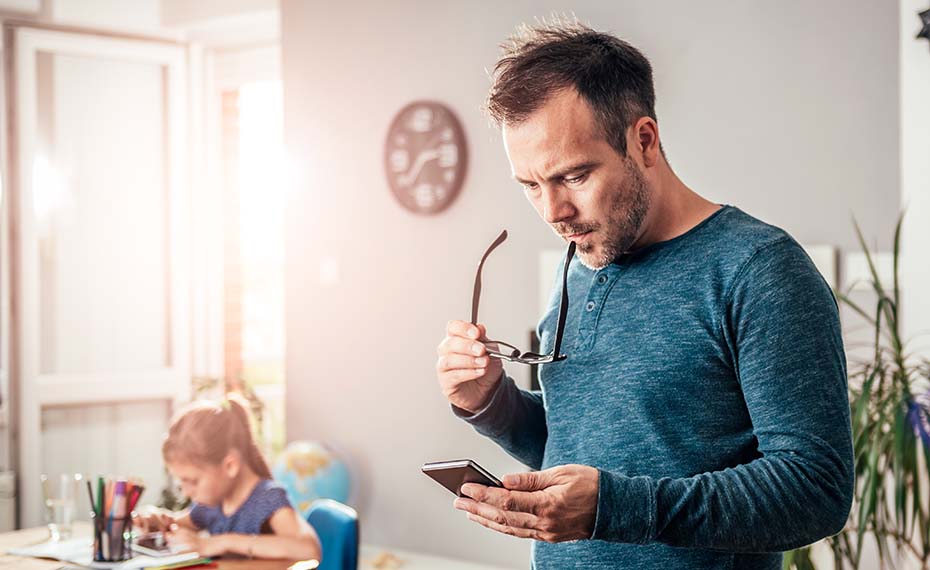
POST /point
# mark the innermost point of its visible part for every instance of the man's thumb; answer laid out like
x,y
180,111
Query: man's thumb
x,y
532,481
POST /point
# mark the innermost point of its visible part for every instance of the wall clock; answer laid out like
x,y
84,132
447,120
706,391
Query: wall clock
x,y
425,157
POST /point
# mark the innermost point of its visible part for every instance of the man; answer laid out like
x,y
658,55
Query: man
x,y
701,418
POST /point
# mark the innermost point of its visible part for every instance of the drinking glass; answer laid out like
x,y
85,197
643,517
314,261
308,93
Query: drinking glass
x,y
60,494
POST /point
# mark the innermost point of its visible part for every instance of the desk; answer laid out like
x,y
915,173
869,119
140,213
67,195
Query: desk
x,y
21,538
416,561
410,560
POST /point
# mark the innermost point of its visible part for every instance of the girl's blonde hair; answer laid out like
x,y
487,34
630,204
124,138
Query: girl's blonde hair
x,y
205,432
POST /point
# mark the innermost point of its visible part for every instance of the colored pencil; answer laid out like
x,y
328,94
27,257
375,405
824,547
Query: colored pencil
x,y
99,508
90,495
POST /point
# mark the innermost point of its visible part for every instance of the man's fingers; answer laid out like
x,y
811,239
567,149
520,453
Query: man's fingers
x,y
528,482
464,375
459,345
463,329
460,362
503,499
515,519
512,531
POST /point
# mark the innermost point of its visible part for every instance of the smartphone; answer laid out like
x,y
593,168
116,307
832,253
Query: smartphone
x,y
453,474
153,544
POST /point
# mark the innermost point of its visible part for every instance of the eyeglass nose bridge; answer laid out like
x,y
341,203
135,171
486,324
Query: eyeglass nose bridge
x,y
514,354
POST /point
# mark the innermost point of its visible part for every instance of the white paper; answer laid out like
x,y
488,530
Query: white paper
x,y
80,551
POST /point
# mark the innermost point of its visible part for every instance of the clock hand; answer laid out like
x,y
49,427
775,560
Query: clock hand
x,y
411,175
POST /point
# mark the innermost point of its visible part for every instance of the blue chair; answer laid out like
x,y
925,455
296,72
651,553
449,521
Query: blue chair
x,y
337,526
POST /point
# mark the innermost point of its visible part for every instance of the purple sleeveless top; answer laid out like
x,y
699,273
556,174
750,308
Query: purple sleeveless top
x,y
250,518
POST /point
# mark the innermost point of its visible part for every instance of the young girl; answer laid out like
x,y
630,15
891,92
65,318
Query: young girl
x,y
210,451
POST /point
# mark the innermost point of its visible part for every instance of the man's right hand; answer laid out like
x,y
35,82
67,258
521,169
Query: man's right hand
x,y
467,375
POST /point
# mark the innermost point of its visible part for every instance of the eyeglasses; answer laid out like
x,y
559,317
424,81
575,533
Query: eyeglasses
x,y
513,354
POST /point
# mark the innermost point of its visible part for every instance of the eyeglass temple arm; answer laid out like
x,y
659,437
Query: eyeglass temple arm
x,y
563,302
476,294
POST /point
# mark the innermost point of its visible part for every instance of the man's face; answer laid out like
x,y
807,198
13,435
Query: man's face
x,y
579,184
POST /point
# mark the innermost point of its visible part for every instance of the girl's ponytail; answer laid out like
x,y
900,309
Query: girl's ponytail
x,y
245,441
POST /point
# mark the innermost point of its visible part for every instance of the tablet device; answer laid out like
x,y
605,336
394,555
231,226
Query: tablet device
x,y
453,474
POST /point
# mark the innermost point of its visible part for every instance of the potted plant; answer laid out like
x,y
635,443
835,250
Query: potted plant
x,y
890,413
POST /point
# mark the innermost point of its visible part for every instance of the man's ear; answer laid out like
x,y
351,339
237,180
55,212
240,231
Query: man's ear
x,y
643,141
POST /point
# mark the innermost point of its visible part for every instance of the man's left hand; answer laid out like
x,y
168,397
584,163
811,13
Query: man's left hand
x,y
554,505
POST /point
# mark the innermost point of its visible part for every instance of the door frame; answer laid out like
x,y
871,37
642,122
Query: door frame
x,y
30,389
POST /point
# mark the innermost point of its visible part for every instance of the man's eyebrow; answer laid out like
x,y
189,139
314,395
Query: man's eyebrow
x,y
562,172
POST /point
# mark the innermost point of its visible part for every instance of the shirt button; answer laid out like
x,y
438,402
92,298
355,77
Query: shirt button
x,y
602,279
590,306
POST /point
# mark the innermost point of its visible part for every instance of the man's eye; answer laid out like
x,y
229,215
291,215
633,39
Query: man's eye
x,y
575,179
530,186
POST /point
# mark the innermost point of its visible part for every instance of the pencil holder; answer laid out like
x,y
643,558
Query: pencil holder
x,y
112,538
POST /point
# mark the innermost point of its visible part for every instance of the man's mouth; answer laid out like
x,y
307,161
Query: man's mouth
x,y
577,238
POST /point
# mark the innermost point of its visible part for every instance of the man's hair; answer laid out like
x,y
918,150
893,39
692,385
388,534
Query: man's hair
x,y
613,77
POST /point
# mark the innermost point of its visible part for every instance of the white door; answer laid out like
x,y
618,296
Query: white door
x,y
100,276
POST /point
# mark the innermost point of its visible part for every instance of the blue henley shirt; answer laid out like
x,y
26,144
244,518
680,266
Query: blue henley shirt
x,y
706,381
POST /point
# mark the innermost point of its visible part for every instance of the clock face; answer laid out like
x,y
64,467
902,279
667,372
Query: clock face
x,y
425,157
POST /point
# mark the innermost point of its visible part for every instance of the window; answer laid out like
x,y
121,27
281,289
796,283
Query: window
x,y
254,187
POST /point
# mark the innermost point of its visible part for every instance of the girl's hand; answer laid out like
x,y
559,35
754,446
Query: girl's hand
x,y
153,519
191,540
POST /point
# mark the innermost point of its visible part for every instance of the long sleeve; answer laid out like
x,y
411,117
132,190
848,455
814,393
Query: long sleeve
x,y
514,419
782,330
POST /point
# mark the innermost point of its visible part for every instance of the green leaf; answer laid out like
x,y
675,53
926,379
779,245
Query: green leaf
x,y
799,559
919,521
869,495
855,307
876,282
861,405
925,523
897,465
912,473
838,554
896,256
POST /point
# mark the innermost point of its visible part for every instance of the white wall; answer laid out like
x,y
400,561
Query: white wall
x,y
915,177
183,12
788,110
21,6
224,24
134,15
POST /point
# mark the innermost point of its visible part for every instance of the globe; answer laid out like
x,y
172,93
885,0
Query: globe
x,y
308,471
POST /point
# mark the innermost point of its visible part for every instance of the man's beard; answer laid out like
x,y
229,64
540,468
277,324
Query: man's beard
x,y
624,220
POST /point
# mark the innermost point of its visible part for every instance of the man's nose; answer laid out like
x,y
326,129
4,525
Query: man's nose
x,y
555,207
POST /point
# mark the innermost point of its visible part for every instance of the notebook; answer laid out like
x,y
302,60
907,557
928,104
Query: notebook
x,y
80,551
